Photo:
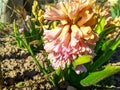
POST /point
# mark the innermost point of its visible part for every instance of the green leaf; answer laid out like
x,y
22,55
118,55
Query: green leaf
x,y
11,88
116,42
118,8
106,44
57,76
97,76
81,60
58,71
107,54
17,34
20,84
2,25
100,26
113,11
73,78
102,36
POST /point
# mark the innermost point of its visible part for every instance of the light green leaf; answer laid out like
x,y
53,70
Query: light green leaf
x,y
58,71
116,42
11,88
81,60
20,84
97,76
100,26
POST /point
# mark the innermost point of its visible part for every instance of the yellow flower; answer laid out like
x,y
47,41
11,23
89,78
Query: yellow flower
x,y
116,21
40,15
113,2
114,32
35,7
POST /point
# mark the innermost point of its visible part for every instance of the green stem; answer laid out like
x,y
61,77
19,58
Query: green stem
x,y
37,63
16,33
27,46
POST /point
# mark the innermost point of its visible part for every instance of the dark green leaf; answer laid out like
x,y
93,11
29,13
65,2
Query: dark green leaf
x,y
102,36
57,76
107,54
106,45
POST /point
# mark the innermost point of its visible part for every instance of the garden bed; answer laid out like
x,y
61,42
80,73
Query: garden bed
x,y
21,73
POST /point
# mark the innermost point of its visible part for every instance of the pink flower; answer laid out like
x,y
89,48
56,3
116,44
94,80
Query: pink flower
x,y
74,37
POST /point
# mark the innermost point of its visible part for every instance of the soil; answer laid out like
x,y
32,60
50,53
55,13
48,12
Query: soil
x,y
20,71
